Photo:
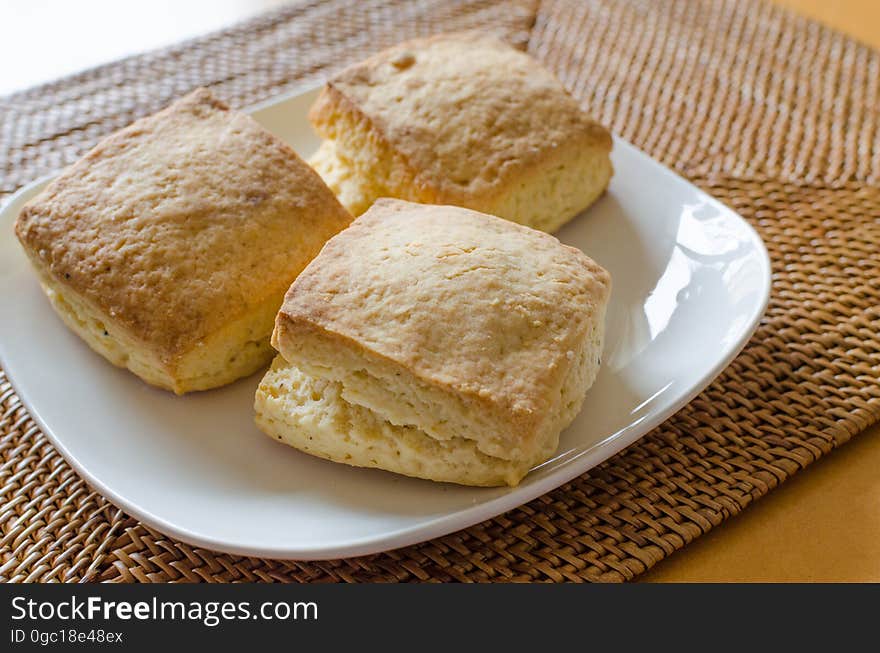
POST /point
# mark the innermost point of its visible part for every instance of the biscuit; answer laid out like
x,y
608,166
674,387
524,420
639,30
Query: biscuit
x,y
436,342
169,246
461,119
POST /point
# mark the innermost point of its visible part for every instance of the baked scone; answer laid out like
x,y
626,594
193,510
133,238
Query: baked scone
x,y
168,248
461,119
436,342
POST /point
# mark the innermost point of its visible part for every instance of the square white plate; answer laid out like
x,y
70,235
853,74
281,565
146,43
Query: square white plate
x,y
691,280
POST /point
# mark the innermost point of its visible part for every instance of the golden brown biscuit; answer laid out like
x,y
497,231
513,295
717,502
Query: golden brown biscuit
x,y
168,247
460,119
437,342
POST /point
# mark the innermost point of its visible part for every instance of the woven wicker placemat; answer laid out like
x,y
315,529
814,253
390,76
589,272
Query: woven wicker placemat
x,y
773,114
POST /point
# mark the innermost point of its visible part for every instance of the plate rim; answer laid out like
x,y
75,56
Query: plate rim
x,y
580,463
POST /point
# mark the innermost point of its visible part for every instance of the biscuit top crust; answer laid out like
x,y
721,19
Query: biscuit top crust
x,y
181,222
468,112
465,301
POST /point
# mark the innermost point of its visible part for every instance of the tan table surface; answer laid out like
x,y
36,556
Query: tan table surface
x,y
822,525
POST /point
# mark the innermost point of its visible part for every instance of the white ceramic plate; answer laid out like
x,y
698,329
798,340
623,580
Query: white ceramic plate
x,y
691,280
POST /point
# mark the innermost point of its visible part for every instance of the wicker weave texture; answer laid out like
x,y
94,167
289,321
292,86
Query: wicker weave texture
x,y
773,114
